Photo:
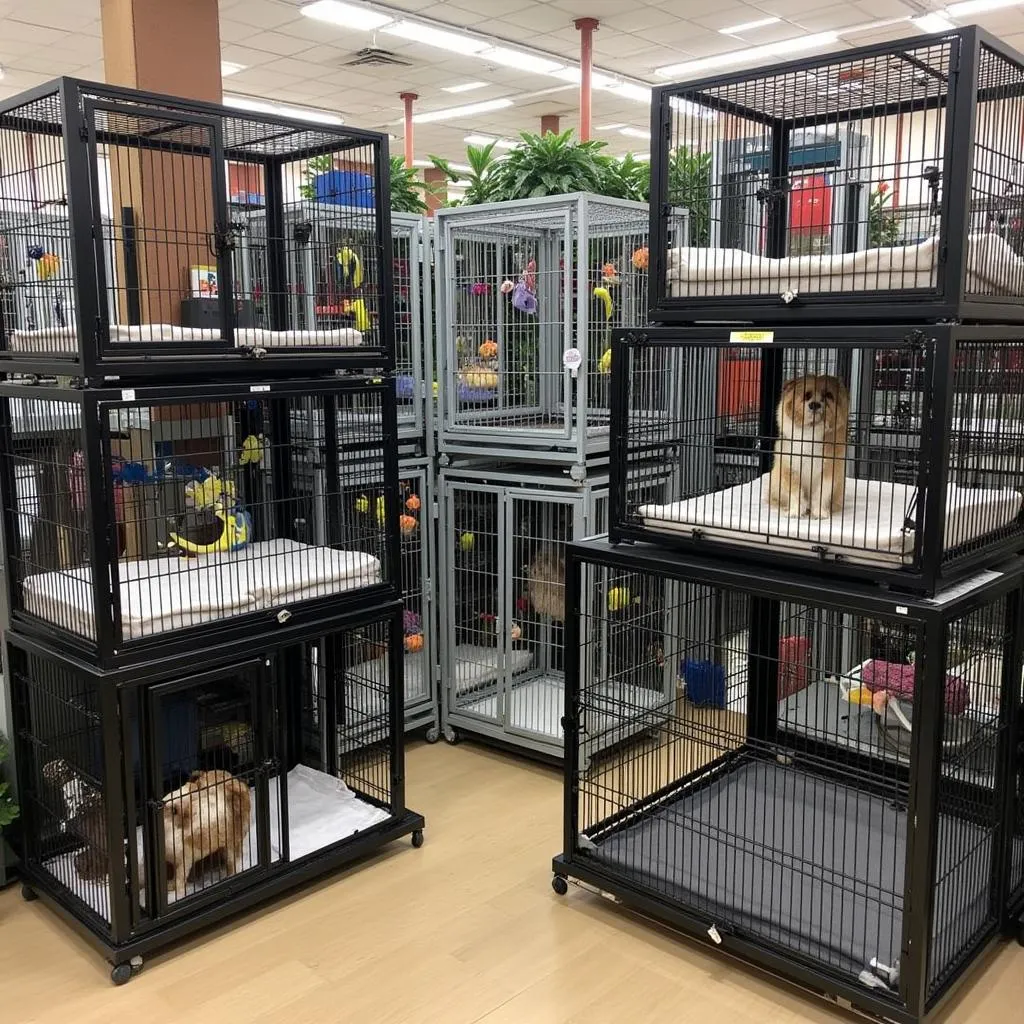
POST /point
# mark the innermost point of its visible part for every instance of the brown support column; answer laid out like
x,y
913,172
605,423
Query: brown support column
x,y
408,98
171,48
549,123
587,27
438,195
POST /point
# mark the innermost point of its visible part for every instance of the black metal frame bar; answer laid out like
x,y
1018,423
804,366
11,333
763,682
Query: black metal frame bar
x,y
932,566
108,652
928,618
78,102
947,300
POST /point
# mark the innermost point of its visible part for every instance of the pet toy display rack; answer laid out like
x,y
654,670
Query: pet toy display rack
x,y
326,276
161,799
784,811
502,534
179,303
528,293
774,240
925,423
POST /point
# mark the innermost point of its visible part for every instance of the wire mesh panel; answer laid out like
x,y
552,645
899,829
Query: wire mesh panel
x,y
321,296
503,615
215,780
528,294
883,181
133,231
891,453
826,789
144,518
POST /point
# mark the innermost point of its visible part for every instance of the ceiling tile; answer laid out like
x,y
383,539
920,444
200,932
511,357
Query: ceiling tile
x,y
829,18
275,42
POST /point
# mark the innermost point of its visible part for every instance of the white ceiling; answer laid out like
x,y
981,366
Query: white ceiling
x,y
291,59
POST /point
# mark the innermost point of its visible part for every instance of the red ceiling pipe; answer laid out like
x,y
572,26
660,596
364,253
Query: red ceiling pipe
x,y
586,27
408,98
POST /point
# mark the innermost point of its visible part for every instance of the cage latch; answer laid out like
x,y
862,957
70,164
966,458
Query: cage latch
x,y
225,239
283,616
932,176
820,550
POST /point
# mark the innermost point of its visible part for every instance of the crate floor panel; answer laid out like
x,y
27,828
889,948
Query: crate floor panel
x,y
869,530
322,811
477,666
63,341
537,704
367,686
161,594
812,865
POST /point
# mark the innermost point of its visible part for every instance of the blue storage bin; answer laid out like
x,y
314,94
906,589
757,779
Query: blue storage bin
x,y
344,188
705,683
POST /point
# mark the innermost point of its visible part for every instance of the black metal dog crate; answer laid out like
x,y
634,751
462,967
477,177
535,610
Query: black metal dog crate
x,y
923,427
154,270
145,522
880,182
831,798
157,802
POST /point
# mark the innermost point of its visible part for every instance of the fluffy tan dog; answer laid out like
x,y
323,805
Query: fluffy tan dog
x,y
808,476
547,585
209,814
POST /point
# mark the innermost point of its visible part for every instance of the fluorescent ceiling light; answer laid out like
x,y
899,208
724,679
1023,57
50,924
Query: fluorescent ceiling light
x,y
961,10
486,140
748,26
450,113
635,133
346,15
935,22
418,32
750,55
521,60
464,87
229,67
629,91
265,107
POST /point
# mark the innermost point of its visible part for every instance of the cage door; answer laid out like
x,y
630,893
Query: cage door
x,y
160,174
539,525
205,745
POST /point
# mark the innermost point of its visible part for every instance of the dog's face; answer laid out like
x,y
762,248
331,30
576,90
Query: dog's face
x,y
815,401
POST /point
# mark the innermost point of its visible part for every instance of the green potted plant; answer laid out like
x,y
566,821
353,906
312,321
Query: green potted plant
x,y
8,815
481,178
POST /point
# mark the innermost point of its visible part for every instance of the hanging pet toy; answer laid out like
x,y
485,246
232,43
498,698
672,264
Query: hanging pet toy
x,y
524,292
350,268
214,522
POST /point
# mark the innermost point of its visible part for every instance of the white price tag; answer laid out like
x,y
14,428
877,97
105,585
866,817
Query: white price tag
x,y
572,360
128,394
259,387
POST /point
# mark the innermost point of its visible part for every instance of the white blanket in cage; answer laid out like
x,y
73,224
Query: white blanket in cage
x,y
64,340
871,527
161,594
993,268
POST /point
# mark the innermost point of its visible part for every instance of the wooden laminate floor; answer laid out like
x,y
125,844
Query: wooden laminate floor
x,y
465,929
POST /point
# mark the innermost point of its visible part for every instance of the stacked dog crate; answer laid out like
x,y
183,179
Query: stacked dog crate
x,y
528,294
838,794
206,623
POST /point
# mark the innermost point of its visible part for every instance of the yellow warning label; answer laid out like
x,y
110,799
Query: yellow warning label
x,y
751,337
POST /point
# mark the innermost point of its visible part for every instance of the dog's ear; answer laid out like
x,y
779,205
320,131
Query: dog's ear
x,y
195,776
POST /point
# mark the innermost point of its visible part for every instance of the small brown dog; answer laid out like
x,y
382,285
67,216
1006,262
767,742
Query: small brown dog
x,y
808,476
209,814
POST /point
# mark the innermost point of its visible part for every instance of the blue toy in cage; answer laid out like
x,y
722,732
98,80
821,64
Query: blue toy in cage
x,y
705,683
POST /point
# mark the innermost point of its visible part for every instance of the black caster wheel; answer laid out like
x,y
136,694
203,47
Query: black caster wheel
x,y
450,735
28,894
121,974
560,885
433,734
417,839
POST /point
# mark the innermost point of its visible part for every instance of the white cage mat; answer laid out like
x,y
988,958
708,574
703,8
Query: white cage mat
x,y
871,528
64,340
992,269
477,666
322,811
161,594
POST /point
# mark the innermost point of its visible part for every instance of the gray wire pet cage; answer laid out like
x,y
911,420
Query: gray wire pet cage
x,y
319,289
528,293
832,797
502,535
